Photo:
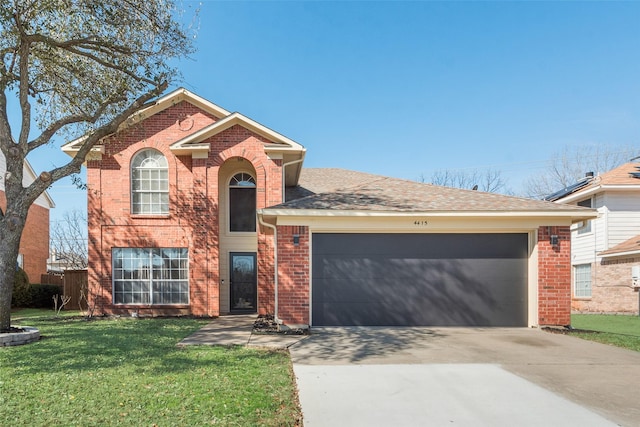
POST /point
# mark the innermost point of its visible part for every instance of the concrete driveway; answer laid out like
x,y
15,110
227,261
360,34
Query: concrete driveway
x,y
463,377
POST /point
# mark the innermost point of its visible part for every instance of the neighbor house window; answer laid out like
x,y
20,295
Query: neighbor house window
x,y
149,183
242,203
150,276
586,228
582,280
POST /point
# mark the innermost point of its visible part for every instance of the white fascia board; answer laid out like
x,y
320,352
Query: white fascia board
x,y
197,151
178,95
619,254
71,149
599,189
173,98
573,216
285,144
239,119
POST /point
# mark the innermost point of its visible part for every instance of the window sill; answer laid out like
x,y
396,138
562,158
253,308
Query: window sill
x,y
138,306
151,216
581,298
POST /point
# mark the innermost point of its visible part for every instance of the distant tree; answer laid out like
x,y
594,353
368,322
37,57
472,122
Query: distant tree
x,y
73,68
489,180
69,244
569,164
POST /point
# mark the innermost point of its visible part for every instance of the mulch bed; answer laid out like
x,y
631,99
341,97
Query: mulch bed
x,y
266,324
13,330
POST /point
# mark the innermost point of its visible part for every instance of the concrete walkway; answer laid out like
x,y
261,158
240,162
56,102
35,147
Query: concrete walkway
x,y
238,330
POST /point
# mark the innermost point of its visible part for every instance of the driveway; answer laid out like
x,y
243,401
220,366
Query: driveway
x,y
463,377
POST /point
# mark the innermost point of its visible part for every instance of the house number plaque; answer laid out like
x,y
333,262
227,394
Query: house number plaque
x,y
420,222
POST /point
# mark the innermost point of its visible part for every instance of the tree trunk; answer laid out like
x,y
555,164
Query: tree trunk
x,y
10,233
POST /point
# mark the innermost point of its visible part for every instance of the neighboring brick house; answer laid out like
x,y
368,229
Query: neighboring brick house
x,y
604,250
34,244
196,210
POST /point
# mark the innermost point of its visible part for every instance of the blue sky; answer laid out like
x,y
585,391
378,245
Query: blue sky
x,y
406,88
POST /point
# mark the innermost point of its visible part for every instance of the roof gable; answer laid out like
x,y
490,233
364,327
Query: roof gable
x,y
177,96
194,141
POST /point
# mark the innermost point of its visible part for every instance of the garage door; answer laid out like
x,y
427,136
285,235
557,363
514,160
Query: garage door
x,y
419,279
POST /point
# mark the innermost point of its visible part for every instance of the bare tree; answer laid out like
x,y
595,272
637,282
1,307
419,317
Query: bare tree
x,y
570,164
69,244
489,180
73,68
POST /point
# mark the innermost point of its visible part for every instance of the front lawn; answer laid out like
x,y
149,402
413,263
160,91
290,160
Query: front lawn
x,y
130,372
619,330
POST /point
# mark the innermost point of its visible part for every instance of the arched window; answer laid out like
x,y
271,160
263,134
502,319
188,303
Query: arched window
x,y
242,203
149,183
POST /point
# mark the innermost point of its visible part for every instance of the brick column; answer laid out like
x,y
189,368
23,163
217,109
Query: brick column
x,y
293,275
554,277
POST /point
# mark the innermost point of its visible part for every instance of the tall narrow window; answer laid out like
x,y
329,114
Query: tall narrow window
x,y
149,183
582,280
242,203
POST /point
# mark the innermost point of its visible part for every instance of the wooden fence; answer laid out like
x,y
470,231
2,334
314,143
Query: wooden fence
x,y
75,282
52,279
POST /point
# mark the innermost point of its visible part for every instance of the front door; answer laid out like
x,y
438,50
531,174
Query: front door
x,y
244,283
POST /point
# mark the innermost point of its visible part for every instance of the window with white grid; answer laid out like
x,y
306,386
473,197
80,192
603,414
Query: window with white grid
x,y
149,183
156,276
582,280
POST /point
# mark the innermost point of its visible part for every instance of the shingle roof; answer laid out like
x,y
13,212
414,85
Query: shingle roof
x,y
622,175
340,189
631,245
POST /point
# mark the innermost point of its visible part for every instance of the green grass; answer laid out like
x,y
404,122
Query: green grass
x,y
129,372
619,330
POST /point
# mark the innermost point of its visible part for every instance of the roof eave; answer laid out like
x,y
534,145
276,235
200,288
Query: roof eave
x,y
574,216
619,254
598,189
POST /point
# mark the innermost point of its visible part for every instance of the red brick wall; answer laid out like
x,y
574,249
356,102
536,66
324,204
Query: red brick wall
x,y
554,277
34,244
193,214
293,275
611,290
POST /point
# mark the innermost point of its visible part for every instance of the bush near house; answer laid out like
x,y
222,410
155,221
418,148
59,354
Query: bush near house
x,y
27,295
21,296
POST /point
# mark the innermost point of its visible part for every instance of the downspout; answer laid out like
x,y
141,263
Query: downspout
x,y
275,265
275,242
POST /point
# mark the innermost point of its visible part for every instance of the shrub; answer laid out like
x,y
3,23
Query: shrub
x,y
42,295
21,296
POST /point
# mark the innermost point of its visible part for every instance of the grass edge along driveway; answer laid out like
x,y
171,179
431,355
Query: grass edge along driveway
x,y
130,372
618,330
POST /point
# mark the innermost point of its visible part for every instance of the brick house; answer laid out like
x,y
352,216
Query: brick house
x,y
196,210
604,250
34,244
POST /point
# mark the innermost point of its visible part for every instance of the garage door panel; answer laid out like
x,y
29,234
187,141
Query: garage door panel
x,y
432,246
378,287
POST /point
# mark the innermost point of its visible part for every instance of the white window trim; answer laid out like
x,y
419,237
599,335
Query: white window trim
x,y
576,281
151,280
133,191
228,197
